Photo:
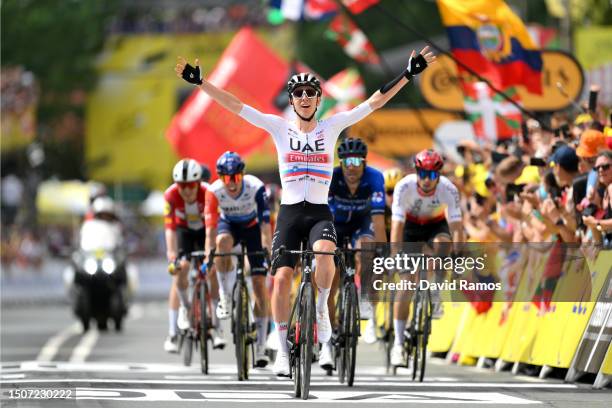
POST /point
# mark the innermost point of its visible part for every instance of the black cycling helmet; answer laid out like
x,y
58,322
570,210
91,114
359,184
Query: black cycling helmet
x,y
205,173
303,79
352,147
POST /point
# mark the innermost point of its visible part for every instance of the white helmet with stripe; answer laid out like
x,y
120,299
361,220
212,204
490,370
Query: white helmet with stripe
x,y
187,170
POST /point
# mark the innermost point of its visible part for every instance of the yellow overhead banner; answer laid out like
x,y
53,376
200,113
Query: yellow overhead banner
x,y
562,83
400,132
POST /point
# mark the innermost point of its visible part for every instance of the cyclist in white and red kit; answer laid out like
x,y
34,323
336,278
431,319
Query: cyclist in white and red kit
x,y
305,148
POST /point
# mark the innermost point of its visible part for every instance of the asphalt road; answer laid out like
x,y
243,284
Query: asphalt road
x,y
41,346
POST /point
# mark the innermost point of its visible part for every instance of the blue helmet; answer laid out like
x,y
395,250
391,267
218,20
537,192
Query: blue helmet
x,y
230,163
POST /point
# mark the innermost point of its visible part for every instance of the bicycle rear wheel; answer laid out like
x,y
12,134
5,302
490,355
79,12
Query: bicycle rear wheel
x,y
204,326
240,327
188,349
306,344
351,331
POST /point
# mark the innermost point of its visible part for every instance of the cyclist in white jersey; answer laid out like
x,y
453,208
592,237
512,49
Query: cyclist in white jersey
x,y
426,209
237,211
305,149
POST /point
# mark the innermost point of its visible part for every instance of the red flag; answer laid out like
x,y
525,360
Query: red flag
x,y
359,6
202,129
352,39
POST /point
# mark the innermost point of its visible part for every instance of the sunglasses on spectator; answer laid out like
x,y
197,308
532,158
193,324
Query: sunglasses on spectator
x,y
602,167
430,174
352,161
299,93
227,178
389,192
189,184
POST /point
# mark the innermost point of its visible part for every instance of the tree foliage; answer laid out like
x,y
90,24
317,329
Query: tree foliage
x,y
58,41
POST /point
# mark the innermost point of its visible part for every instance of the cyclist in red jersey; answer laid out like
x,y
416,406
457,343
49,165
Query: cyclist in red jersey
x,y
184,232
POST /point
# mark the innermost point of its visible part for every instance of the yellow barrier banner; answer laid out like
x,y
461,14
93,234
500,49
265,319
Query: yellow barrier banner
x,y
564,323
443,330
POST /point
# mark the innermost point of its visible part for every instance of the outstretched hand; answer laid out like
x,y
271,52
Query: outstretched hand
x,y
189,73
418,63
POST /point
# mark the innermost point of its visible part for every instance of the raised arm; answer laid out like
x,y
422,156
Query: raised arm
x,y
193,75
416,65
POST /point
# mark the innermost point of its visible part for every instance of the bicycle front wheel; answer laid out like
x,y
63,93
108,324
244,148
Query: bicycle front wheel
x,y
306,320
351,332
240,327
426,313
204,327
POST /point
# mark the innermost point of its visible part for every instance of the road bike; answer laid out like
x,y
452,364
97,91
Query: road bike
x,y
302,334
200,313
243,326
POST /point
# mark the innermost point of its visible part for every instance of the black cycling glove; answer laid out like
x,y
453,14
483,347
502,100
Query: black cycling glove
x,y
192,75
416,65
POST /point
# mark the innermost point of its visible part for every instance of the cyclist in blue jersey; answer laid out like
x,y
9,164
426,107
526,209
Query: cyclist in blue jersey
x,y
357,202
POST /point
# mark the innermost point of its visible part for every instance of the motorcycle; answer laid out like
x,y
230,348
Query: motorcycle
x,y
99,287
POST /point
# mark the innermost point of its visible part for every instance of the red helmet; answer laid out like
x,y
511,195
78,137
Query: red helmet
x,y
428,160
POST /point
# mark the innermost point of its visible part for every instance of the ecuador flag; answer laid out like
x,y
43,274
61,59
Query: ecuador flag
x,y
489,38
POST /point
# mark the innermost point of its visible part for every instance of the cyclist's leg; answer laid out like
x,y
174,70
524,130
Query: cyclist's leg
x,y
288,235
401,307
341,232
252,237
188,241
323,237
367,307
225,274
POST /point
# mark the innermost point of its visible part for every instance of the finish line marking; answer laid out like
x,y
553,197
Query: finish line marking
x,y
221,395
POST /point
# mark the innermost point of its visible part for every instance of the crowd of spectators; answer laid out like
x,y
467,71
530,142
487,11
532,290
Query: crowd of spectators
x,y
551,183
188,19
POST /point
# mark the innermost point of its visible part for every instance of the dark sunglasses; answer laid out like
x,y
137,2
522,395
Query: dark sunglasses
x,y
189,185
299,93
352,161
602,167
430,174
227,178
389,192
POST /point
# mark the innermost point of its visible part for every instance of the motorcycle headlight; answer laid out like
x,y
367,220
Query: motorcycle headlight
x,y
108,265
90,266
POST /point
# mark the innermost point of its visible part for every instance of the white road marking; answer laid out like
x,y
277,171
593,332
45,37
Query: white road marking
x,y
52,345
11,376
139,394
82,350
288,382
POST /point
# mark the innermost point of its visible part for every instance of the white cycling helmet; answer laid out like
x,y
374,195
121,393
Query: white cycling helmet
x,y
103,205
187,170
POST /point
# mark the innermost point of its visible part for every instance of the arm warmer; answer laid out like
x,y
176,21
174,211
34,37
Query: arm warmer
x,y
386,87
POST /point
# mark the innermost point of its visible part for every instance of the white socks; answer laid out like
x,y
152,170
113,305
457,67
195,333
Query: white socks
x,y
226,282
399,326
281,329
183,297
322,299
261,325
172,318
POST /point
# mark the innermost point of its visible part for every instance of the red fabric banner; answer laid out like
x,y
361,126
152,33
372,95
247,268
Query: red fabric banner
x,y
202,129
